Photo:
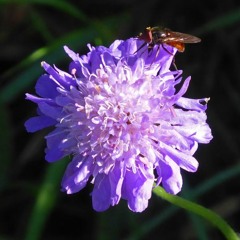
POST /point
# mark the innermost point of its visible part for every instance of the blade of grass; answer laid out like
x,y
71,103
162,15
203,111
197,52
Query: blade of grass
x,y
220,22
195,220
64,6
5,144
199,226
45,200
54,54
214,181
41,26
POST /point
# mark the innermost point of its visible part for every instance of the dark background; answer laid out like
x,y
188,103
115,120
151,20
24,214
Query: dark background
x,y
31,203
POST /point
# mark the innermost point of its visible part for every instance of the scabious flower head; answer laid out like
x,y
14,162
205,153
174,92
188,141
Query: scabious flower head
x,y
118,114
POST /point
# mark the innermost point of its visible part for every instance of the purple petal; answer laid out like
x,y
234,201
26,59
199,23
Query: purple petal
x,y
77,174
101,195
137,189
46,87
185,161
203,134
182,91
171,176
37,123
38,100
53,151
74,56
116,176
107,188
193,104
62,79
54,112
54,154
200,132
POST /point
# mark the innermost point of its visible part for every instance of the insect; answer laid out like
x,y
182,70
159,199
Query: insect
x,y
159,35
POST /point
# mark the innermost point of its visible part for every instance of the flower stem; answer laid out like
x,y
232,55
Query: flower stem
x,y
209,215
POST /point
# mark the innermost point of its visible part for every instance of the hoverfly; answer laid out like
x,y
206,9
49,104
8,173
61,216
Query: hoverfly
x,y
159,35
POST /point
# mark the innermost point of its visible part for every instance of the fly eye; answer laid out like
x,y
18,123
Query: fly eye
x,y
159,35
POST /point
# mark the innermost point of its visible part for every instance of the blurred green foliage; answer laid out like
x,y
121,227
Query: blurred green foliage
x,y
29,191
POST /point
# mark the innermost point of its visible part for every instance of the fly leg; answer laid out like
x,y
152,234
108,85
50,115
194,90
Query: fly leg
x,y
173,62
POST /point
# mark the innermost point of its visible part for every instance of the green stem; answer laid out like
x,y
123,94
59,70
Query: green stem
x,y
209,215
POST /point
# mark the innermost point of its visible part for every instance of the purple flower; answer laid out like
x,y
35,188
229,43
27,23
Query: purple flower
x,y
119,115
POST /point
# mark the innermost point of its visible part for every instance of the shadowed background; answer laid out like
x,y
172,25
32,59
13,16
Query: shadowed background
x,y
31,203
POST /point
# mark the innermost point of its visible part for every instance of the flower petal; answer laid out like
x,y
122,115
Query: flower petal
x,y
185,161
53,151
77,174
171,176
37,123
137,189
101,195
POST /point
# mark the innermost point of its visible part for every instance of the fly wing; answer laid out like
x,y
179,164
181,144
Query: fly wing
x,y
180,37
